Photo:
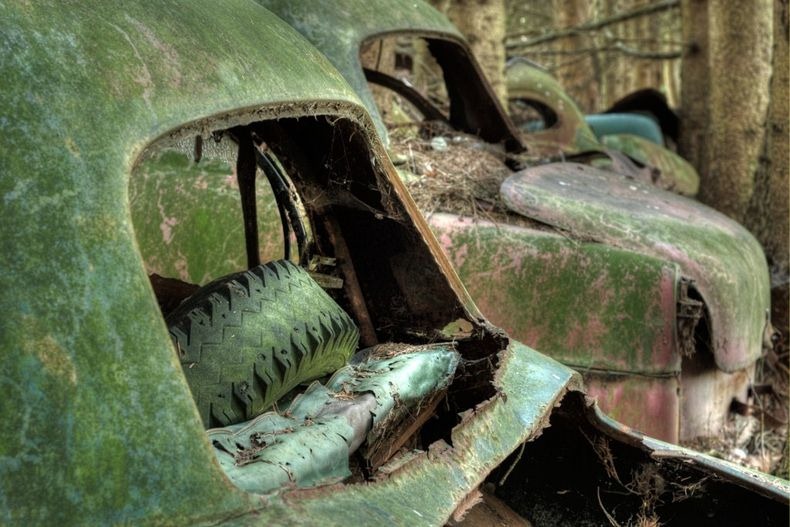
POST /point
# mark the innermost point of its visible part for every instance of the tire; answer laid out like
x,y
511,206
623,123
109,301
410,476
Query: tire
x,y
247,339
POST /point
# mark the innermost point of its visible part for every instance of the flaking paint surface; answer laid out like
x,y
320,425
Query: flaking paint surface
x,y
586,304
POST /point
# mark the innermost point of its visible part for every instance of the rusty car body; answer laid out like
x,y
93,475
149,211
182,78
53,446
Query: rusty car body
x,y
102,109
658,300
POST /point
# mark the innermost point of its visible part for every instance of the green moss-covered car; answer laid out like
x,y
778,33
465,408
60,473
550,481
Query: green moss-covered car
x,y
110,116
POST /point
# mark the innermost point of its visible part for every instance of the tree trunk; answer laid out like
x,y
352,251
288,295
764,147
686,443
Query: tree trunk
x,y
739,78
482,22
580,72
769,215
695,67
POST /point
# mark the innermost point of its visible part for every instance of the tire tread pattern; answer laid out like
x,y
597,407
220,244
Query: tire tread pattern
x,y
246,339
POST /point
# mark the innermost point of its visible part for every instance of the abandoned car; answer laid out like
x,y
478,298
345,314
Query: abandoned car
x,y
343,373
555,125
660,301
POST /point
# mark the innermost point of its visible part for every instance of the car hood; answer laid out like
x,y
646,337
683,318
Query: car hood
x,y
725,262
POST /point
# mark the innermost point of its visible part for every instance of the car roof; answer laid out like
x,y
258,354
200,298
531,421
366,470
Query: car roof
x,y
104,427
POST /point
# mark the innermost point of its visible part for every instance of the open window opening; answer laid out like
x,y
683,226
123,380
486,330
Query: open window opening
x,y
303,303
431,86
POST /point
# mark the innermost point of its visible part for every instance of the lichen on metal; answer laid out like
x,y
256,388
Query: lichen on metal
x,y
172,197
589,305
725,261
310,441
108,418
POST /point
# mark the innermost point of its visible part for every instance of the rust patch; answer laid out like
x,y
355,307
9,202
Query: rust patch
x,y
690,311
54,358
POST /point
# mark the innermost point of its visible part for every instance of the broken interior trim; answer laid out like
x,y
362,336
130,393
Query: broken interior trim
x,y
309,443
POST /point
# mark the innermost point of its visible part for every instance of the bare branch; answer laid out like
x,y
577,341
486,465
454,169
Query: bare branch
x,y
515,40
616,47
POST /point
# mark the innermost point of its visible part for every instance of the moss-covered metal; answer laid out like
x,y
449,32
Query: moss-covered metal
x,y
589,305
607,312
172,199
725,261
100,425
340,28
570,133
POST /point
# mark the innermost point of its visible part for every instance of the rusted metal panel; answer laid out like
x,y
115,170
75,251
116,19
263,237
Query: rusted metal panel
x,y
650,405
725,261
585,304
707,394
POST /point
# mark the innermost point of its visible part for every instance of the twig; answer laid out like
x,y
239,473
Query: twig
x,y
609,517
513,465
649,9
617,47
